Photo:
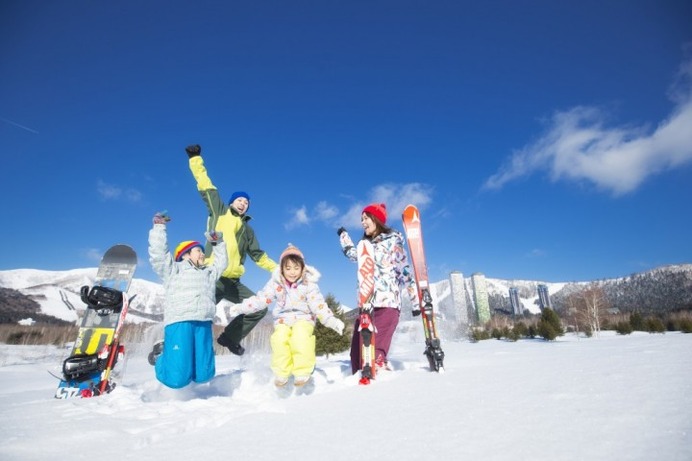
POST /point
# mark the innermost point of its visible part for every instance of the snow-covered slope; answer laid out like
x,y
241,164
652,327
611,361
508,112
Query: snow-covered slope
x,y
57,292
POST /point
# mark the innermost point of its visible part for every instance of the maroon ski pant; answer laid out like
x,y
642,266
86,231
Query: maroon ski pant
x,y
385,319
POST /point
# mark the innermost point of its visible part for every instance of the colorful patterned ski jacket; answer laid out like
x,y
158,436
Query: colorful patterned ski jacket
x,y
392,271
301,300
189,290
224,218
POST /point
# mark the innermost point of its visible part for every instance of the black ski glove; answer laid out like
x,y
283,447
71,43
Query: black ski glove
x,y
193,150
416,311
340,231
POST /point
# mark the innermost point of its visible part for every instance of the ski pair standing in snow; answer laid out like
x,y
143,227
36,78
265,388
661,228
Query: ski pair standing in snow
x,y
391,274
414,237
298,301
187,352
233,221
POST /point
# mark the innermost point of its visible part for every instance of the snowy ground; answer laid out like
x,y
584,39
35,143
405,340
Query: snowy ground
x,y
611,398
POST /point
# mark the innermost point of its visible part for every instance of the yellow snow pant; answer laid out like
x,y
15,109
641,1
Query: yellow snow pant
x,y
293,349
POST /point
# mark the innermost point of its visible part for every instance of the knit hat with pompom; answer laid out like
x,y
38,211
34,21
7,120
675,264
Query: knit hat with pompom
x,y
291,250
378,210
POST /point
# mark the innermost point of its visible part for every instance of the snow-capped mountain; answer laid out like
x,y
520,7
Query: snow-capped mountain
x,y
57,292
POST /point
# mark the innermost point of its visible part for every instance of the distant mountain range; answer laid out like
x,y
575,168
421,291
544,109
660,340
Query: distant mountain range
x,y
31,295
56,295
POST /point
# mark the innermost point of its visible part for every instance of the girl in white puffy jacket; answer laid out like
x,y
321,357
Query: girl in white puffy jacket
x,y
298,303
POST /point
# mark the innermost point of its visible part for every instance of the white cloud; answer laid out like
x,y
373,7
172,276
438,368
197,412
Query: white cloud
x,y
108,191
578,146
93,254
536,253
133,195
395,196
325,212
299,218
31,130
113,192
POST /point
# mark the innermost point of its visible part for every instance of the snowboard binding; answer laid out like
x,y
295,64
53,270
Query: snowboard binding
x,y
104,300
435,354
81,367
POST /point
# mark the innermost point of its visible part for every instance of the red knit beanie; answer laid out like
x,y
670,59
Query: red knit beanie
x,y
378,210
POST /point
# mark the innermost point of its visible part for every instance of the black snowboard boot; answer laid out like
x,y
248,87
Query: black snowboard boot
x,y
235,348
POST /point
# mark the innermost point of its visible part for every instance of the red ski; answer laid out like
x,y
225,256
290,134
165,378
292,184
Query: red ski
x,y
366,328
414,237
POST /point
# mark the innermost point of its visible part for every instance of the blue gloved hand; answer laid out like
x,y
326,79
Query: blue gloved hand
x,y
214,237
161,217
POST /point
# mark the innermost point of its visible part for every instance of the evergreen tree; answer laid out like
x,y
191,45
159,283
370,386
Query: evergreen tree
x,y
327,341
623,328
550,326
546,331
686,325
654,325
521,329
637,321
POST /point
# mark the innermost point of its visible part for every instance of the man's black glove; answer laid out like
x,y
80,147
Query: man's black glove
x,y
341,231
193,150
416,311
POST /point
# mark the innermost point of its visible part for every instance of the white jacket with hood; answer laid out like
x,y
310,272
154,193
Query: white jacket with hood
x,y
301,300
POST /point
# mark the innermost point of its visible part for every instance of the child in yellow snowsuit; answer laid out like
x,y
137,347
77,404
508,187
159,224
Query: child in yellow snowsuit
x,y
298,303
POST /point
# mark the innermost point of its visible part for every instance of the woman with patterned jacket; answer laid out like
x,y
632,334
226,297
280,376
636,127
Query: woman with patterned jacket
x,y
187,352
298,302
392,273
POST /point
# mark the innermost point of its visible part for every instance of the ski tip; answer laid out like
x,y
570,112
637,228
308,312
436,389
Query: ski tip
x,y
364,381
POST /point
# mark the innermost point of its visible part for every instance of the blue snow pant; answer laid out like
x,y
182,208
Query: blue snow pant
x,y
188,354
385,320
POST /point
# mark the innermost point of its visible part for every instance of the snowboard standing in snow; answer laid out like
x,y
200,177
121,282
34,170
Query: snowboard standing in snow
x,y
366,328
87,371
414,236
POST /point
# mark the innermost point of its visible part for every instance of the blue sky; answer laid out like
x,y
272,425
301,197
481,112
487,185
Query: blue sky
x,y
544,141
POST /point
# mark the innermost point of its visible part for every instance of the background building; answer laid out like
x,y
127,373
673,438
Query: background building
x,y
514,301
544,297
459,299
480,296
